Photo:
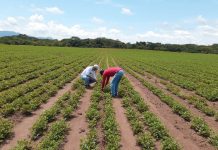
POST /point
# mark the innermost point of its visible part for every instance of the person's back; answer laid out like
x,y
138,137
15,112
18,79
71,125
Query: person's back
x,y
111,71
89,75
117,72
86,71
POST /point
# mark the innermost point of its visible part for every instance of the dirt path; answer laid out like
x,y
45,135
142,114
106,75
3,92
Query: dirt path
x,y
128,140
22,129
78,125
210,120
178,128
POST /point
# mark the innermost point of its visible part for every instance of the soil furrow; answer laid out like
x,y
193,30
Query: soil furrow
x,y
210,120
78,125
128,140
186,92
177,127
22,129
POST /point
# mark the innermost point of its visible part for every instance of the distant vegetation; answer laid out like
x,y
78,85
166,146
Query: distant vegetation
x,y
107,43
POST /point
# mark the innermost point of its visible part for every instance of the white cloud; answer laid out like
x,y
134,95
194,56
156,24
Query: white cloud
x,y
36,25
114,31
11,20
97,20
54,10
176,37
200,19
126,11
36,18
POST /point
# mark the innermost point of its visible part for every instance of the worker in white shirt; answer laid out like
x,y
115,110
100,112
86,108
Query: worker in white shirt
x,y
89,75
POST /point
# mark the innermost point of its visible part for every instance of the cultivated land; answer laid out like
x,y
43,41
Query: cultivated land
x,y
169,101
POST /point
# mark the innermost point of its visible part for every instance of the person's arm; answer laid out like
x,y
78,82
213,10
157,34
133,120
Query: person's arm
x,y
103,82
107,80
92,75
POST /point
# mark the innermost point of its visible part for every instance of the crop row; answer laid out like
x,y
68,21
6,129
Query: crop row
x,y
47,68
108,121
52,136
16,92
176,68
93,117
31,102
197,124
146,126
206,90
198,103
15,65
13,93
5,129
110,126
33,74
141,118
26,68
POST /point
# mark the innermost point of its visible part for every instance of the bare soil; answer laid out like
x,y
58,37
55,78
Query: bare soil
x,y
128,140
178,128
210,120
22,128
186,92
78,125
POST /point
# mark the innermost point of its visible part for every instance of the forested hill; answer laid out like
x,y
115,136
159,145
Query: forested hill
x,y
107,43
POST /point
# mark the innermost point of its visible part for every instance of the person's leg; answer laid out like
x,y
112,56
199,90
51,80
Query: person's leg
x,y
119,76
86,80
113,82
117,84
91,81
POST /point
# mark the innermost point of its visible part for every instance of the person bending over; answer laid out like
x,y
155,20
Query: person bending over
x,y
115,72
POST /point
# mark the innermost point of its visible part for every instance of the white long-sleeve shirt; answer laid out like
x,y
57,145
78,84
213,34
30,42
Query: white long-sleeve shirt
x,y
89,72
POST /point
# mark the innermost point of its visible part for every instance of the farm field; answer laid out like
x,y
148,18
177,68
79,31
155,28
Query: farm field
x,y
169,101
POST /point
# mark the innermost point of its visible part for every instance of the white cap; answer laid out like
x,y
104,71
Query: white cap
x,y
96,66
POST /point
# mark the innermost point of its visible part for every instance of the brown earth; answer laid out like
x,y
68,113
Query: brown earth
x,y
22,129
78,125
210,120
178,128
186,92
128,140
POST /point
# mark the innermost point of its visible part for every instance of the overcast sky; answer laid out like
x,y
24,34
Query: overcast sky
x,y
166,21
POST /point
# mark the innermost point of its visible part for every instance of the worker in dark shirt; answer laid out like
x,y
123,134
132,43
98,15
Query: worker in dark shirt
x,y
115,72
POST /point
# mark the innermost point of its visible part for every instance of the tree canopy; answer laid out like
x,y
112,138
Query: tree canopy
x,y
107,43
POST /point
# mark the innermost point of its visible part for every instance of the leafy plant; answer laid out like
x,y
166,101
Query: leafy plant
x,y
54,137
146,141
23,145
5,129
200,127
169,144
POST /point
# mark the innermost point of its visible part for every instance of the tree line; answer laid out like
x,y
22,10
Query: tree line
x,y
108,43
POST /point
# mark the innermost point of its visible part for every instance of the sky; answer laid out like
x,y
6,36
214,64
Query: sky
x,y
165,21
